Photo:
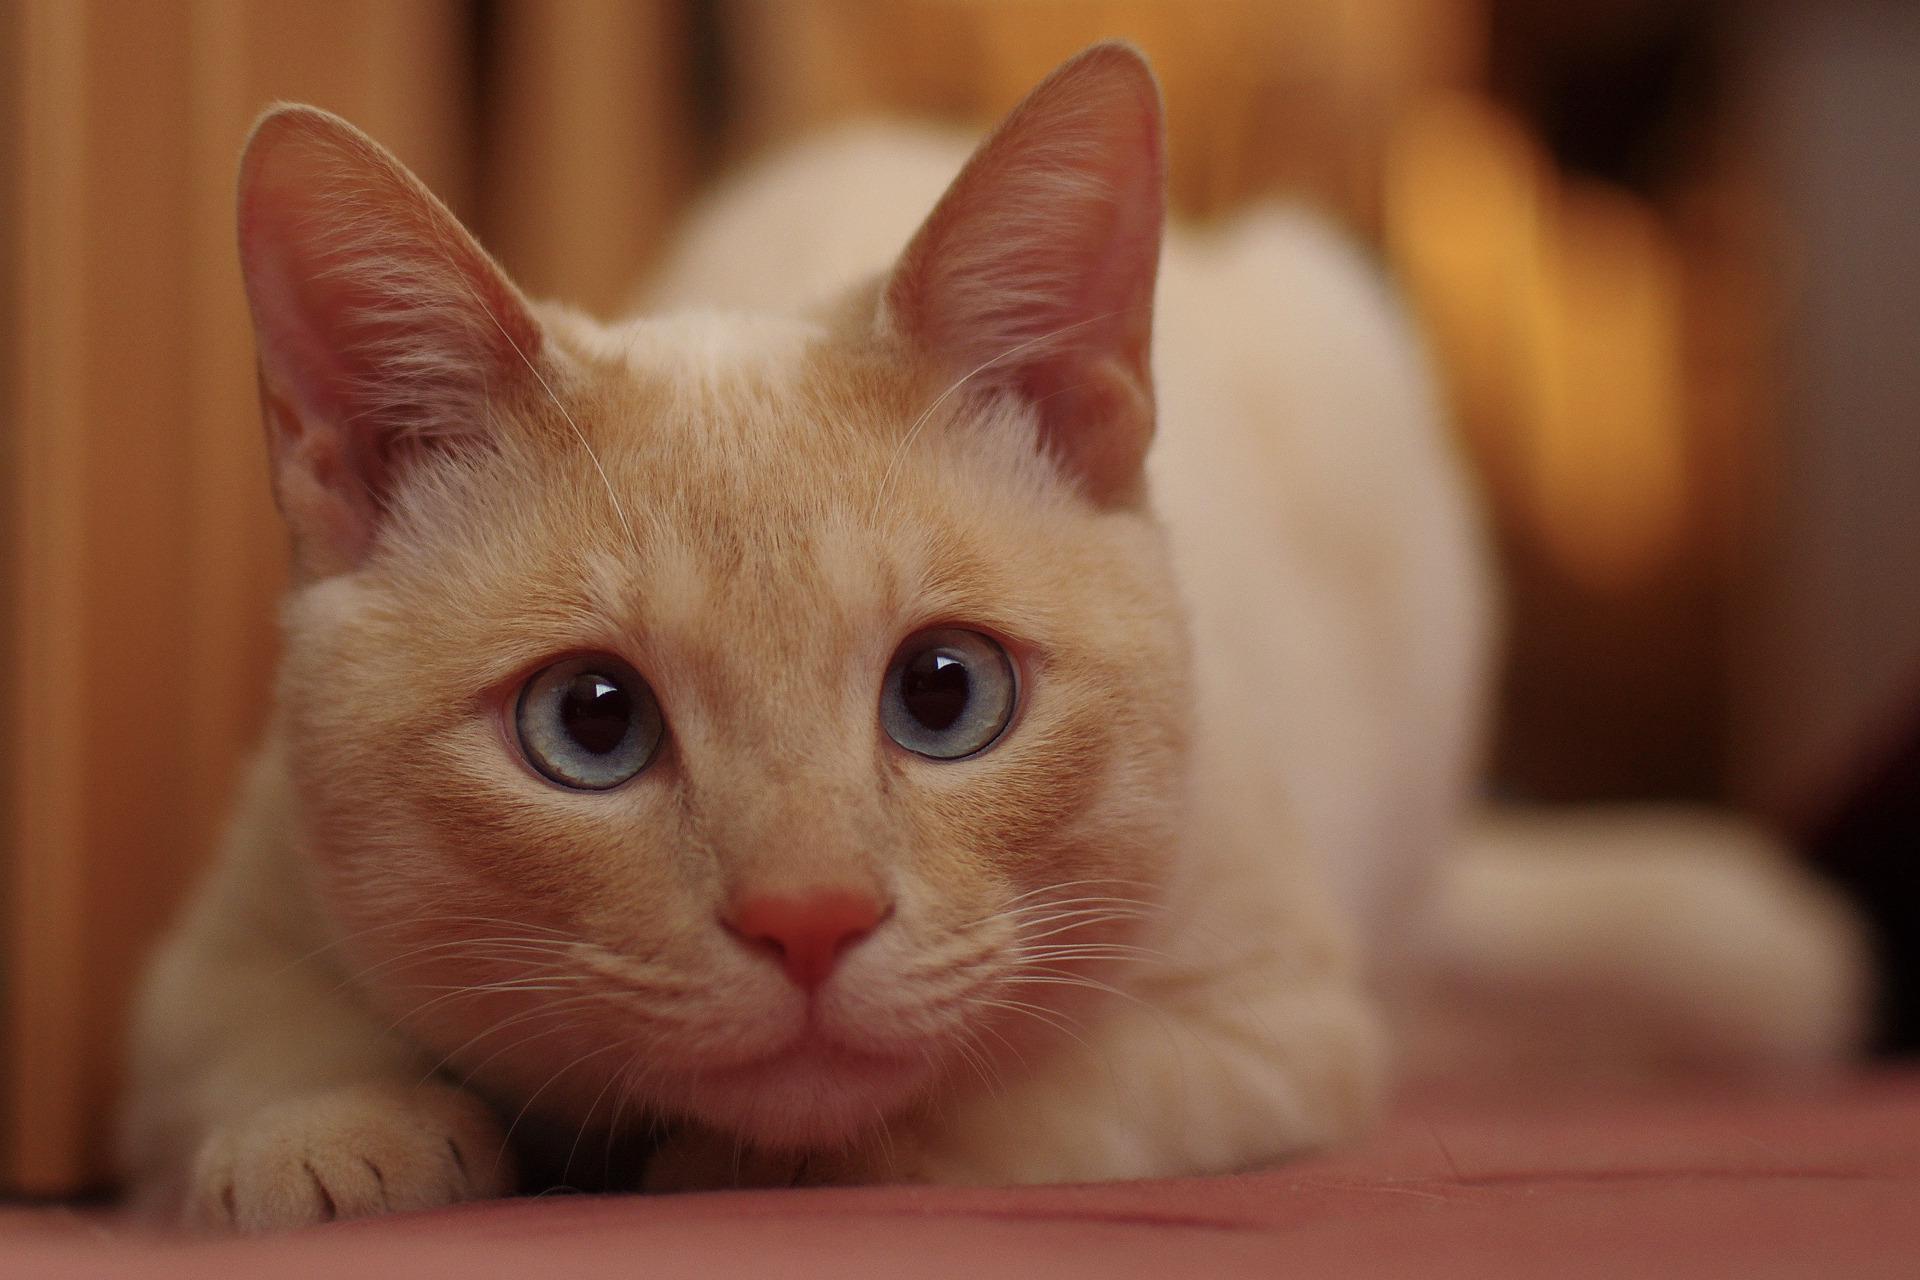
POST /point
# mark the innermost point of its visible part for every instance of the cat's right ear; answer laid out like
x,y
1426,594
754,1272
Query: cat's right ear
x,y
1035,272
383,328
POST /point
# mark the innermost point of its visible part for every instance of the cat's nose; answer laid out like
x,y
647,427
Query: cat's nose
x,y
807,932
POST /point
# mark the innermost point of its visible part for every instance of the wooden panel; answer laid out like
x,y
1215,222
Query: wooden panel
x,y
587,144
45,967
98,707
146,555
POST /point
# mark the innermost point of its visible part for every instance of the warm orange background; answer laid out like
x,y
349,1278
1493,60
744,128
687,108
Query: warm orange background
x,y
1605,352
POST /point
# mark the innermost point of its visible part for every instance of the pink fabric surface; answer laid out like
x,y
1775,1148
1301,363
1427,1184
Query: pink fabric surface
x,y
1695,1182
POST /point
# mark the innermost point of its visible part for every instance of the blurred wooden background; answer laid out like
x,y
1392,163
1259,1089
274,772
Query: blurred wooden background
x,y
1599,336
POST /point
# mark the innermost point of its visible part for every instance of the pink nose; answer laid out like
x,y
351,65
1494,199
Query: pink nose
x,y
807,932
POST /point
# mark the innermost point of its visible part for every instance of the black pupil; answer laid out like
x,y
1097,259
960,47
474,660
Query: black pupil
x,y
596,712
934,688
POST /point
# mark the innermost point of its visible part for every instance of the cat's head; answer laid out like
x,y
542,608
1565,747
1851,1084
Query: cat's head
x,y
764,720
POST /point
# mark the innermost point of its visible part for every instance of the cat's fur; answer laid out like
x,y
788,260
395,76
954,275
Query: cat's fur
x,y
1132,937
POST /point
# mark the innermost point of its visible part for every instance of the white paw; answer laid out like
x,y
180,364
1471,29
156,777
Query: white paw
x,y
348,1153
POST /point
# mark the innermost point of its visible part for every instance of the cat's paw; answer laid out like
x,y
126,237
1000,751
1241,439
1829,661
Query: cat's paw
x,y
349,1152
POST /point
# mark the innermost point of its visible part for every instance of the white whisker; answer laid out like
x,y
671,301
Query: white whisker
x,y
612,495
900,449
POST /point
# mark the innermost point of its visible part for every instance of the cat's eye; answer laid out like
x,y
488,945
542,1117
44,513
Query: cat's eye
x,y
948,693
589,722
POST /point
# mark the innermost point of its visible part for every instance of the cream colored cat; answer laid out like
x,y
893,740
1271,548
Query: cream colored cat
x,y
792,730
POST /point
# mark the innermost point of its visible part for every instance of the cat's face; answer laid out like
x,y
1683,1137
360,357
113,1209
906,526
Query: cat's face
x,y
724,720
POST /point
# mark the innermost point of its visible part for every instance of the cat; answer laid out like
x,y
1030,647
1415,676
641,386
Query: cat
x,y
820,742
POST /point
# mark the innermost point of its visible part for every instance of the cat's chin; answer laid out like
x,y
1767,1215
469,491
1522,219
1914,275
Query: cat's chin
x,y
810,1095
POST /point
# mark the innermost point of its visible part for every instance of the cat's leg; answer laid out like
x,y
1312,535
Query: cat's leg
x,y
263,1094
349,1151
1172,1082
266,1099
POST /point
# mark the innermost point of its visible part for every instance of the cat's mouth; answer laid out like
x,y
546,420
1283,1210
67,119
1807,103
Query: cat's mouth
x,y
815,1090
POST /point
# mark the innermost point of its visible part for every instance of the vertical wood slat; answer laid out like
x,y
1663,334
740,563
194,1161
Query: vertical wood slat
x,y
395,68
45,985
587,155
235,547
146,553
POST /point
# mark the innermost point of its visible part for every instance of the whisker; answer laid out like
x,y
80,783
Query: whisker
x,y
1074,884
566,1170
899,450
1032,911
1060,977
389,925
612,495
505,944
551,1080
630,1082
1019,1057
971,1055
886,1138
1088,923
1087,951
1039,1013
1094,901
538,1011
507,985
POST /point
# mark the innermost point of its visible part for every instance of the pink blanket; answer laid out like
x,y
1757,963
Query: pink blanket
x,y
1697,1182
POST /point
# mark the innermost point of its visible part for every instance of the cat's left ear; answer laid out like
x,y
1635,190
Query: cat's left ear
x,y
1035,272
384,331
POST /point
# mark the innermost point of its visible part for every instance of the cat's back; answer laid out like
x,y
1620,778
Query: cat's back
x,y
1320,523
798,227
1330,551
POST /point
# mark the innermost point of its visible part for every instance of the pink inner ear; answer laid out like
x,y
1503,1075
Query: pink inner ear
x,y
1039,262
380,323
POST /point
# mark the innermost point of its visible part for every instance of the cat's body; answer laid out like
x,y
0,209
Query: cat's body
x,y
1129,929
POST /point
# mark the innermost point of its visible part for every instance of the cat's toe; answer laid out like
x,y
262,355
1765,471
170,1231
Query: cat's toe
x,y
350,1152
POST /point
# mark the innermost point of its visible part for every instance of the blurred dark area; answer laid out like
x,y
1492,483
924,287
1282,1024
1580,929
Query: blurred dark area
x,y
1628,91
1868,845
1801,698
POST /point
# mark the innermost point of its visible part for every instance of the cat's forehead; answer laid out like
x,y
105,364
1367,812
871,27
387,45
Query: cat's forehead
x,y
766,466
714,395
754,461
710,349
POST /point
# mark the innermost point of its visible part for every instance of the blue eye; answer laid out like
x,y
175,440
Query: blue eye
x,y
948,693
589,722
